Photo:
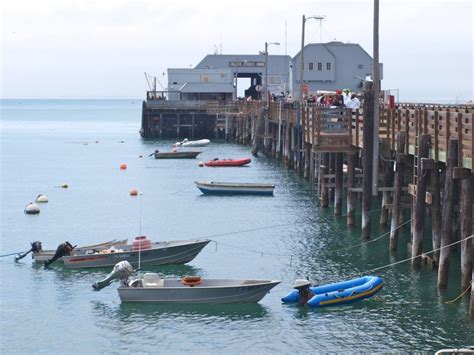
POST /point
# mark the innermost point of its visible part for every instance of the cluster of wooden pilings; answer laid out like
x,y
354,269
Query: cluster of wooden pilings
x,y
425,169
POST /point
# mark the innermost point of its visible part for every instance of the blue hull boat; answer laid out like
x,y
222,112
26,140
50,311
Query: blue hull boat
x,y
232,188
340,292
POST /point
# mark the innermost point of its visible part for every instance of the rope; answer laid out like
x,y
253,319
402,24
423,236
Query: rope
x,y
373,240
417,256
20,252
462,294
252,250
358,213
246,231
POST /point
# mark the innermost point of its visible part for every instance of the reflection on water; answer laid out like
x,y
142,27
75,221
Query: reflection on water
x,y
129,311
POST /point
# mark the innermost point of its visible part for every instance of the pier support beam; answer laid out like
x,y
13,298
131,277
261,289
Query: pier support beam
x,y
397,193
338,184
467,245
367,159
448,213
420,205
387,195
351,195
435,210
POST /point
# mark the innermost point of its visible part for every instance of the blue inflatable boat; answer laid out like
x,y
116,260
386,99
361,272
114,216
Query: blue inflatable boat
x,y
340,292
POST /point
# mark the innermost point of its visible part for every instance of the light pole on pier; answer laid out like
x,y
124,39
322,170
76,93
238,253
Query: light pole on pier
x,y
266,71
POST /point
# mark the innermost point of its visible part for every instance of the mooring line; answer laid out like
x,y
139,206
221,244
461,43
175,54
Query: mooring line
x,y
20,252
358,213
419,256
246,231
461,295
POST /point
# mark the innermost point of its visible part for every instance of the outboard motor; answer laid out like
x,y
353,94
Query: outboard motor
x,y
36,247
122,270
63,249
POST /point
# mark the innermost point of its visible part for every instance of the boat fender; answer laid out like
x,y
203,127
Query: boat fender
x,y
191,280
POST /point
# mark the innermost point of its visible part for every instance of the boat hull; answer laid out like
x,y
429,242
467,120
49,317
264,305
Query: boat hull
x,y
240,293
340,293
228,162
209,188
176,155
194,144
162,253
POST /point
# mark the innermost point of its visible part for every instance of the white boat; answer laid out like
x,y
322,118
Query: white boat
x,y
198,143
234,188
152,288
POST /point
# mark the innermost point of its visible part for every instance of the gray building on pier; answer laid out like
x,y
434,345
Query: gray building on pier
x,y
327,66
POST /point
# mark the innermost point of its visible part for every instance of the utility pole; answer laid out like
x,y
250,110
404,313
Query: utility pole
x,y
376,78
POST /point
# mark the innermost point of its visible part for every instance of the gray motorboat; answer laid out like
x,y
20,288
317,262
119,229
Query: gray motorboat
x,y
191,290
176,155
41,256
160,253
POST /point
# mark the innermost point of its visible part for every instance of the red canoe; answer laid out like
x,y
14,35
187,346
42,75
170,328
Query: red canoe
x,y
228,162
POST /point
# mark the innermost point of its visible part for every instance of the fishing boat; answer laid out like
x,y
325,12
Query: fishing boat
x,y
42,256
142,251
175,155
199,143
234,188
228,162
340,292
191,289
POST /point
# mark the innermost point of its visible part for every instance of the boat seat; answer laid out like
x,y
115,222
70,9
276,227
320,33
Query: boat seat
x,y
150,279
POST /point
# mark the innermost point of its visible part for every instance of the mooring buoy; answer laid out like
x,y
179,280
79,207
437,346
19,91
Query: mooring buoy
x,y
41,198
32,208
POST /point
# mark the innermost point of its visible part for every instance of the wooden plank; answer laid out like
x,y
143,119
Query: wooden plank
x,y
467,245
461,173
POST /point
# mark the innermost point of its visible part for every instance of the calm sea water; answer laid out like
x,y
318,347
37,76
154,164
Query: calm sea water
x,y
45,143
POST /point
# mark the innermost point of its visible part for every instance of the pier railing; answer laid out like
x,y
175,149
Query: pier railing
x,y
341,129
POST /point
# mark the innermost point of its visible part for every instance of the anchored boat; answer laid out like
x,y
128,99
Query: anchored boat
x,y
45,255
339,293
175,155
234,188
191,290
228,162
198,143
142,251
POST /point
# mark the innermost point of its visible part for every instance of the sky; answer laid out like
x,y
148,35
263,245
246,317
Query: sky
x,y
101,48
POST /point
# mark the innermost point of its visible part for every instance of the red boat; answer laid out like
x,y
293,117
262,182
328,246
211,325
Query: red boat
x,y
228,162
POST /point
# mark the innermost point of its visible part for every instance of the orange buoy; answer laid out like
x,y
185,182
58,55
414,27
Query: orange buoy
x,y
123,166
191,280
133,192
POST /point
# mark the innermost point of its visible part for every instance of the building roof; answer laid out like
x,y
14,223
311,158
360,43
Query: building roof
x,y
336,48
207,87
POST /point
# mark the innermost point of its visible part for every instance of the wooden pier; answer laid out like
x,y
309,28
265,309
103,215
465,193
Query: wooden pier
x,y
425,165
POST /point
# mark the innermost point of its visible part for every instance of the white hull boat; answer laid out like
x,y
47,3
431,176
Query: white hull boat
x,y
198,143
151,288
234,188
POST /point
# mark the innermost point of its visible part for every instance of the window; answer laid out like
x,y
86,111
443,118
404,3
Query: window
x,y
311,66
360,66
328,66
320,66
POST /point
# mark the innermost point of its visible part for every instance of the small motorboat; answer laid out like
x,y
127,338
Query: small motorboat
x,y
340,292
40,256
198,143
234,188
228,162
142,251
175,155
190,289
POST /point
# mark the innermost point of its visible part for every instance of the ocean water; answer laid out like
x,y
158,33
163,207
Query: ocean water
x,y
45,143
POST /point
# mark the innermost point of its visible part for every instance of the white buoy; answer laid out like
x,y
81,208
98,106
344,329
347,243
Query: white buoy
x,y
41,198
32,208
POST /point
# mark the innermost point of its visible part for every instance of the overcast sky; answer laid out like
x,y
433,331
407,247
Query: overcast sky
x,y
101,48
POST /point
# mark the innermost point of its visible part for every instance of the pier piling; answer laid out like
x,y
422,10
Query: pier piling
x,y
397,193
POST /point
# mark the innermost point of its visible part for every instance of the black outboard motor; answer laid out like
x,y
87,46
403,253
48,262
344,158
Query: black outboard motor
x,y
63,249
36,247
